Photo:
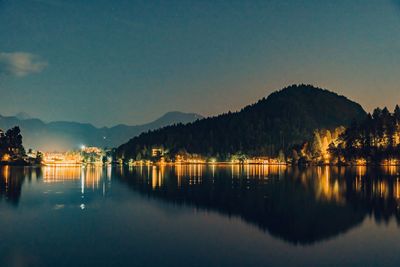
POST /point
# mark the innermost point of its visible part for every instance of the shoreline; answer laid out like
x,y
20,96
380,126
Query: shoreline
x,y
17,164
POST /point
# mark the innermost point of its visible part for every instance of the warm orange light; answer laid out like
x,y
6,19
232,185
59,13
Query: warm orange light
x,y
6,157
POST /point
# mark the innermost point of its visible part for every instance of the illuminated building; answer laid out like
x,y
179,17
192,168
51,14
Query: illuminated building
x,y
67,159
157,152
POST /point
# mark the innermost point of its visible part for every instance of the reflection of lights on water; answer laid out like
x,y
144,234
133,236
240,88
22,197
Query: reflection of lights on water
x,y
6,175
326,183
194,173
154,177
53,174
88,177
109,172
83,182
58,206
157,176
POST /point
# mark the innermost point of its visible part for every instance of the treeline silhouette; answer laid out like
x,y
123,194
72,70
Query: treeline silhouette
x,y
11,148
269,127
375,139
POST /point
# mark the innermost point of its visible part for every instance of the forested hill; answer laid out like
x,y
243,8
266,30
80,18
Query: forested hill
x,y
283,119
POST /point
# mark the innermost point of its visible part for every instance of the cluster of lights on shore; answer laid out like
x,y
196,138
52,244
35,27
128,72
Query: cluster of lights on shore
x,y
212,161
77,159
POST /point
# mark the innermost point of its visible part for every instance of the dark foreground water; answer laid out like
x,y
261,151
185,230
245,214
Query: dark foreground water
x,y
199,216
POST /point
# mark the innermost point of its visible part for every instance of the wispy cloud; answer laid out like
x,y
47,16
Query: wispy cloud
x,y
20,64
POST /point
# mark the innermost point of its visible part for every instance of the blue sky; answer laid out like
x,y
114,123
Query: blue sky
x,y
110,62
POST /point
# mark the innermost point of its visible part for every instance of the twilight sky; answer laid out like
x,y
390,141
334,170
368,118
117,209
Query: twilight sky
x,y
109,62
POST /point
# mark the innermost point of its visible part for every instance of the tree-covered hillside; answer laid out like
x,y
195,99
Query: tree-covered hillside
x,y
374,140
283,119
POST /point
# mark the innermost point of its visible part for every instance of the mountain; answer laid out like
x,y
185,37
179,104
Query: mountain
x,y
23,116
173,117
285,118
64,135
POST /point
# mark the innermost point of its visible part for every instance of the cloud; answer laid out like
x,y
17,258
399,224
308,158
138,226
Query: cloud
x,y
20,64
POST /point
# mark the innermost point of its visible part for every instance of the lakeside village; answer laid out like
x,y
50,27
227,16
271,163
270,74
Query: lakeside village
x,y
374,141
12,152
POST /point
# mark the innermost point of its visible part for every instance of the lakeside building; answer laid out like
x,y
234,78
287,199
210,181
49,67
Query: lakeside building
x,y
93,155
62,158
157,152
87,155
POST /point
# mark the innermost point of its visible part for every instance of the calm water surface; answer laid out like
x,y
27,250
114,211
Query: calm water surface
x,y
199,216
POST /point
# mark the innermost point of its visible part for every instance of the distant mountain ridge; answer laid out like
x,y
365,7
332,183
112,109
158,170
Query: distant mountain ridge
x,y
285,118
23,116
65,135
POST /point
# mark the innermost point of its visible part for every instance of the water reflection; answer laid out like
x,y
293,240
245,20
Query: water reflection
x,y
11,181
301,206
90,178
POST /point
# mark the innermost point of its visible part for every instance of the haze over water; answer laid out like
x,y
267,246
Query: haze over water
x,y
199,216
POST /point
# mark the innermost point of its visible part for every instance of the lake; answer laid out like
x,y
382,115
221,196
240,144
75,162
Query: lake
x,y
198,215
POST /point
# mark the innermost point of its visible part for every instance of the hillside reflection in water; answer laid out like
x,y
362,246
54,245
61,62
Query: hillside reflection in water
x,y
298,205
